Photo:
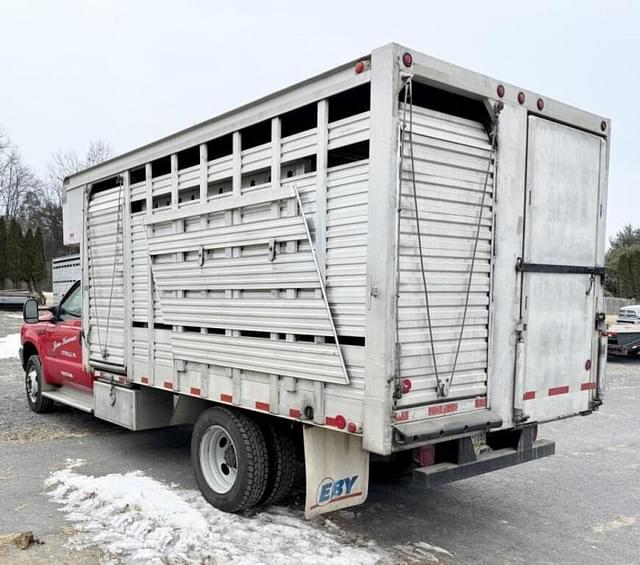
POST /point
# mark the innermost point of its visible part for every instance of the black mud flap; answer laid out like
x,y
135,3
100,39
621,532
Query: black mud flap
x,y
446,472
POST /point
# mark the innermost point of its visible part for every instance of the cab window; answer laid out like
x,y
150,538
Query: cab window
x,y
71,305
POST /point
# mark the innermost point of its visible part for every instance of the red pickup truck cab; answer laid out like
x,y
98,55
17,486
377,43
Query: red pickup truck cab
x,y
51,351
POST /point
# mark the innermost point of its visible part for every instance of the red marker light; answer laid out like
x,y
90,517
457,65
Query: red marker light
x,y
521,97
500,90
352,427
359,67
540,104
340,422
407,59
587,365
406,386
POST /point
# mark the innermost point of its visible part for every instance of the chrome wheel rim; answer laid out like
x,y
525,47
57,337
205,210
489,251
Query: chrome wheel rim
x,y
218,459
32,384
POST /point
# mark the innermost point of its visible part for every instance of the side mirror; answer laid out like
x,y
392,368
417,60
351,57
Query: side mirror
x,y
30,311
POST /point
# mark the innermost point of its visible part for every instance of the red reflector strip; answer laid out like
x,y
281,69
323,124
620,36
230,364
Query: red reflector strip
x,y
481,402
145,380
262,406
402,416
329,421
588,386
195,391
555,391
529,395
294,413
168,385
443,409
226,398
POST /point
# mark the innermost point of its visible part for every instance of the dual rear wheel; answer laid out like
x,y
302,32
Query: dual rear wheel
x,y
241,461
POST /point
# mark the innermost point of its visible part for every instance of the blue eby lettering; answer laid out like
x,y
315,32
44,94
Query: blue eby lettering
x,y
331,489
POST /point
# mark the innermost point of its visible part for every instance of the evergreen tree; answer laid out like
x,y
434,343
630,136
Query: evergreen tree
x,y
26,258
39,266
626,238
628,272
3,251
14,252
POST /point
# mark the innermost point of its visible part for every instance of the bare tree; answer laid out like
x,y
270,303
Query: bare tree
x,y
98,152
62,164
16,181
65,163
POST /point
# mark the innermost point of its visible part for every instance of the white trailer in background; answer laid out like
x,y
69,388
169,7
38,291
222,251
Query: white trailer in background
x,y
64,272
398,256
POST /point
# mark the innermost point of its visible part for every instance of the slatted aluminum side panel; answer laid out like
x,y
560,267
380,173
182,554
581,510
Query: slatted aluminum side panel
x,y
106,333
451,156
139,270
64,271
346,262
221,278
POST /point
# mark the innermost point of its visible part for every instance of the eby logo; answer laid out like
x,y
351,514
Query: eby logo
x,y
331,490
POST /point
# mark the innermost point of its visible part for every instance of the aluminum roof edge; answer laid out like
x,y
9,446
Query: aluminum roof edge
x,y
425,66
73,180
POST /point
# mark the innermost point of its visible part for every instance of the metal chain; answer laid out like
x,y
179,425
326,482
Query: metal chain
x,y
408,99
494,137
105,353
95,303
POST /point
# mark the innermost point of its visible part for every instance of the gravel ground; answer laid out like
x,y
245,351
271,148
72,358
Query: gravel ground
x,y
581,506
17,422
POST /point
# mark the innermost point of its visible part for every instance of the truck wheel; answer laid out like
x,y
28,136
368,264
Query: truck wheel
x,y
282,463
229,457
33,386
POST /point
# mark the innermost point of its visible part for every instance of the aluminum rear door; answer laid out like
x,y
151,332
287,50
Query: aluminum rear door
x,y
105,284
451,158
555,374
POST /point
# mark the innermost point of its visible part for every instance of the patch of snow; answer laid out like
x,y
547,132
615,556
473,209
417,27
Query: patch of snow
x,y
9,346
136,519
616,523
17,316
421,552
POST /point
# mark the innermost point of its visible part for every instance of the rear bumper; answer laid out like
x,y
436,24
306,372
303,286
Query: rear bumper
x,y
441,473
412,433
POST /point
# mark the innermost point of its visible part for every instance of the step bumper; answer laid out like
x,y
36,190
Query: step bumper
x,y
442,473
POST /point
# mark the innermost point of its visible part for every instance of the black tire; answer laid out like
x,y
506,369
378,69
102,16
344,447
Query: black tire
x,y
282,463
37,402
250,458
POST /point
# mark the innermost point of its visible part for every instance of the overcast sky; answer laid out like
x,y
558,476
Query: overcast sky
x,y
131,71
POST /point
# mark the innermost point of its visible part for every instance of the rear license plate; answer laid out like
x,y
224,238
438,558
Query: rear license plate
x,y
479,440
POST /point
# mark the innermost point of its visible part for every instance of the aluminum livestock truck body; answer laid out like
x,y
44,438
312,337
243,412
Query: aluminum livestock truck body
x,y
398,259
